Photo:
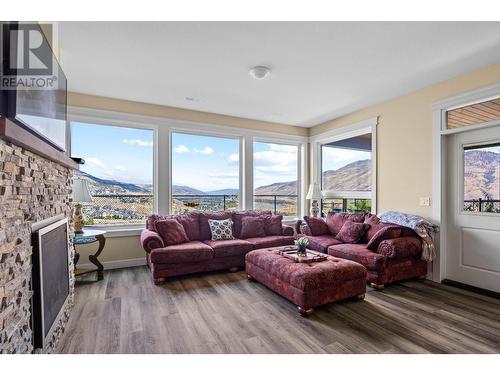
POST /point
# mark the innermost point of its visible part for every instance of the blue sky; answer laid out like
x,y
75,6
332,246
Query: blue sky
x,y
205,163
113,152
201,162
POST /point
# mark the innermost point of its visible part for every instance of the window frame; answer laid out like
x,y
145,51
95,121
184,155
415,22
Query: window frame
x,y
300,172
348,131
119,229
163,128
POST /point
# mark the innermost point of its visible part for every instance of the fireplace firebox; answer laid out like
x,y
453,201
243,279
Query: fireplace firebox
x,y
50,278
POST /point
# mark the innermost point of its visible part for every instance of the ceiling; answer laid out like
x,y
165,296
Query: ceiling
x,y
320,70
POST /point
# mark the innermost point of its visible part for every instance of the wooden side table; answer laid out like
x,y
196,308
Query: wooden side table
x,y
87,237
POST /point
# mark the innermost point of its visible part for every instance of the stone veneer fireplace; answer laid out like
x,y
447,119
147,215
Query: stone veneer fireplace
x,y
32,189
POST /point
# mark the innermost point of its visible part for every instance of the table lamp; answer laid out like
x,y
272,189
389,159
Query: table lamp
x,y
314,194
81,194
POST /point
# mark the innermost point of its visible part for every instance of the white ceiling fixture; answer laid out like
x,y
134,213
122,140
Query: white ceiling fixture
x,y
260,72
326,69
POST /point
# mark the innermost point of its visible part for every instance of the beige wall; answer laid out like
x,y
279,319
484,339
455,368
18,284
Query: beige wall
x,y
126,106
116,248
404,139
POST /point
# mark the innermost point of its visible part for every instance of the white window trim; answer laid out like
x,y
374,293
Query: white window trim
x,y
163,128
348,131
89,118
439,154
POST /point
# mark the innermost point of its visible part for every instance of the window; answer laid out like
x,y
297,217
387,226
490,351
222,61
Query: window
x,y
205,173
474,114
482,178
275,178
346,174
118,169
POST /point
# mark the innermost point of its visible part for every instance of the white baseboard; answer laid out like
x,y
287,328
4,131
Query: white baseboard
x,y
115,264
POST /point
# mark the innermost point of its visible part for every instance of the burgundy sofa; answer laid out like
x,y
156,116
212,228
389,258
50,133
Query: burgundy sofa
x,y
389,252
200,253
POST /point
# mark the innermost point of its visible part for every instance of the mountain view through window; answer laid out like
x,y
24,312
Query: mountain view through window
x,y
118,169
482,178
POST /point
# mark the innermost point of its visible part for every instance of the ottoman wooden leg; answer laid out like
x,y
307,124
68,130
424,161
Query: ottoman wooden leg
x,y
305,312
377,286
159,280
250,278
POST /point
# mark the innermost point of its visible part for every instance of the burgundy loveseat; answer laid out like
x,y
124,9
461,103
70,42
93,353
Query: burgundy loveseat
x,y
389,252
200,253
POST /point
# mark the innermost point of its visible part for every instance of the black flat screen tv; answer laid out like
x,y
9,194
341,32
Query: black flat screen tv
x,y
38,99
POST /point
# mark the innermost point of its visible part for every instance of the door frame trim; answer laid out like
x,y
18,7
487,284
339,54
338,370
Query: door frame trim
x,y
439,167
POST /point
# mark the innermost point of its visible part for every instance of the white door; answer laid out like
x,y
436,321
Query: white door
x,y
473,208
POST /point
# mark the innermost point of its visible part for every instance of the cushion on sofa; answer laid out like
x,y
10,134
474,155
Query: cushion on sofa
x,y
270,241
274,225
316,225
253,226
193,251
352,232
190,222
335,221
205,233
221,229
359,253
387,232
171,232
239,215
321,243
228,248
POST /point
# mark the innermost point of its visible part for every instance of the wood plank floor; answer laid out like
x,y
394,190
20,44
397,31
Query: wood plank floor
x,y
224,313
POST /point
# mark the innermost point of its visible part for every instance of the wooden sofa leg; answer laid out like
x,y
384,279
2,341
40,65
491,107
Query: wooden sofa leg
x,y
305,312
159,280
377,286
360,297
250,278
233,269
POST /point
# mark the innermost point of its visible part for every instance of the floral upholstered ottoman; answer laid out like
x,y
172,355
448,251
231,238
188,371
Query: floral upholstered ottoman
x,y
307,285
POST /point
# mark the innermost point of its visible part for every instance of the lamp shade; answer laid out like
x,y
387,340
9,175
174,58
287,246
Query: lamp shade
x,y
314,192
81,191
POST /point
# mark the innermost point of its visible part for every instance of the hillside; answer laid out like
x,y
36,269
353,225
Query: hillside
x,y
102,186
482,174
185,190
355,176
481,168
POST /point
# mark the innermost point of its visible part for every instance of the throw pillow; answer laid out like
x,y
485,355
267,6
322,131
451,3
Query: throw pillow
x,y
171,231
335,221
221,229
252,226
385,233
352,232
205,231
239,215
317,225
274,226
